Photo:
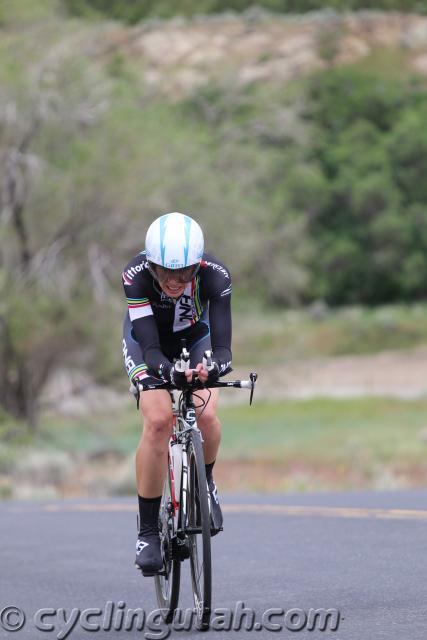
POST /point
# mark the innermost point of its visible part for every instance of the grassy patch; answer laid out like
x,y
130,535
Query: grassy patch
x,y
92,434
14,13
277,337
321,428
326,444
384,430
390,62
318,444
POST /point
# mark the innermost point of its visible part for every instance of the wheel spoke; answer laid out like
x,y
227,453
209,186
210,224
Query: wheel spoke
x,y
167,585
199,518
201,570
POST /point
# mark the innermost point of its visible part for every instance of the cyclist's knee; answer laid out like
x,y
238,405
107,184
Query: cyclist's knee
x,y
209,419
157,415
158,427
207,415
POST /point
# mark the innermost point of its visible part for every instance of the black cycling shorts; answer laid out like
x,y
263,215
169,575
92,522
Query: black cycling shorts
x,y
198,340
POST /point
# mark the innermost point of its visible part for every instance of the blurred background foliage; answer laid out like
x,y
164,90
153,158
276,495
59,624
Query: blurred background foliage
x,y
313,191
137,10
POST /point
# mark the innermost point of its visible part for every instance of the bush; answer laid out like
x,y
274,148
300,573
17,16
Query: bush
x,y
369,230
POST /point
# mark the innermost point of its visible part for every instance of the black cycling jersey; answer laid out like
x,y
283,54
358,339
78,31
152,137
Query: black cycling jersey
x,y
158,321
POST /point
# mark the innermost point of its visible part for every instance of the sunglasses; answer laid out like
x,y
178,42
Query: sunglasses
x,y
184,275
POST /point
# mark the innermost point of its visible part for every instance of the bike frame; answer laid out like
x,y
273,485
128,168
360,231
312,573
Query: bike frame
x,y
184,421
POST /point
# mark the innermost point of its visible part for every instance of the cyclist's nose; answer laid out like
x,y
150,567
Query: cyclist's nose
x,y
172,279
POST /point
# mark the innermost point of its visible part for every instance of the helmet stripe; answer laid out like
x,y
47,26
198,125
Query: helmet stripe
x,y
163,221
188,221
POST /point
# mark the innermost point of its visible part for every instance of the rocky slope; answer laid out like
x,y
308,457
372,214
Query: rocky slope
x,y
178,56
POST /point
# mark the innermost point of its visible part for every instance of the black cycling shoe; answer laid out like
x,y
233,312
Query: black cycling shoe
x,y
148,554
216,513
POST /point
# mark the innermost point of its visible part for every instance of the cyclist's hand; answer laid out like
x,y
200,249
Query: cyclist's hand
x,y
201,372
206,376
180,379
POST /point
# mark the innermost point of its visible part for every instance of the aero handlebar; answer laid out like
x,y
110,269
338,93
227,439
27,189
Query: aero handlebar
x,y
182,364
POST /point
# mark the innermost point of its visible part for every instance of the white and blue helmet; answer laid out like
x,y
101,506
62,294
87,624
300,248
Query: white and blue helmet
x,y
174,241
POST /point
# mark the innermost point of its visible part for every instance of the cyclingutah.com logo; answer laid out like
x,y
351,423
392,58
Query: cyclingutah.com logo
x,y
117,617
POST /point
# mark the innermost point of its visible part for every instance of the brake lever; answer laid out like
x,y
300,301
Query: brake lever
x,y
207,360
183,364
253,377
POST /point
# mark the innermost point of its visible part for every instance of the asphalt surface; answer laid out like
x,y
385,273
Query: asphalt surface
x,y
361,555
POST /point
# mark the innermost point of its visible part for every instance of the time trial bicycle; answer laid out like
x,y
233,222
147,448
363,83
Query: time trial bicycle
x,y
184,517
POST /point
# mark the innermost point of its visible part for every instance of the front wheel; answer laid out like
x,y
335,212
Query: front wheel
x,y
199,531
167,583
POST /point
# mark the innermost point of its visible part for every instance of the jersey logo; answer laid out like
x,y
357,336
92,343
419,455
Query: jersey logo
x,y
185,308
226,292
185,313
224,366
165,298
130,273
217,267
129,363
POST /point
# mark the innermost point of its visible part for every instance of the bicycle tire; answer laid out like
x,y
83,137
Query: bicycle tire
x,y
167,584
200,543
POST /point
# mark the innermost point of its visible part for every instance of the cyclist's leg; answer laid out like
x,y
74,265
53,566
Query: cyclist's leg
x,y
156,410
151,469
209,424
151,455
207,419
210,427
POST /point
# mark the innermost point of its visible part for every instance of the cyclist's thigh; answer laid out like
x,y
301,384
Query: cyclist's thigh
x,y
156,405
212,397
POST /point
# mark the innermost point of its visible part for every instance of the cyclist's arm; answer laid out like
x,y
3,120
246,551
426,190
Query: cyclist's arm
x,y
220,324
144,324
217,280
146,333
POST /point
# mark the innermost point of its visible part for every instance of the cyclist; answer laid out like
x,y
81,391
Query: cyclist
x,y
174,290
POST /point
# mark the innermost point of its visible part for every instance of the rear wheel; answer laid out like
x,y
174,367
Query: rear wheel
x,y
167,583
199,531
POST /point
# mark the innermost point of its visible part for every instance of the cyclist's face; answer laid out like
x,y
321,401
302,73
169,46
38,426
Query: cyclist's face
x,y
172,289
173,281
181,276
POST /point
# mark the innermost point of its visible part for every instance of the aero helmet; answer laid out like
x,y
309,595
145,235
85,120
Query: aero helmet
x,y
174,242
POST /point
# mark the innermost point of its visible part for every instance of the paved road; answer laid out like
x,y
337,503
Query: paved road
x,y
363,554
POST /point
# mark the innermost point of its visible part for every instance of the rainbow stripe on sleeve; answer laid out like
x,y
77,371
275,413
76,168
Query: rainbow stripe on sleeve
x,y
197,301
135,303
139,308
139,372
